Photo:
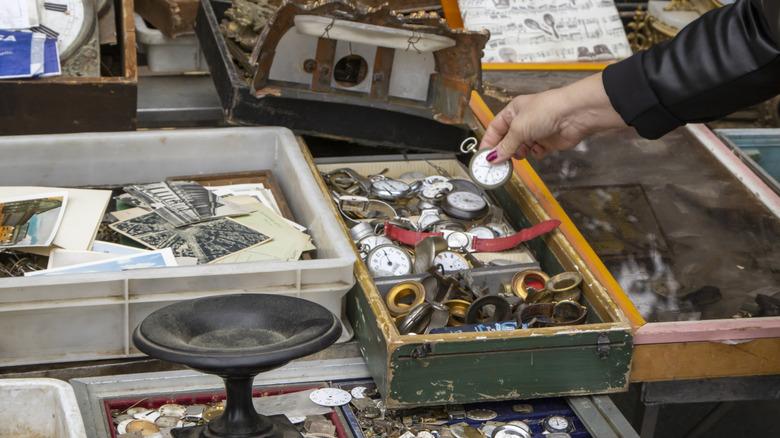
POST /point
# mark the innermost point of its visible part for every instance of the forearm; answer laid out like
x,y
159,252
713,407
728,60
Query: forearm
x,y
585,107
726,60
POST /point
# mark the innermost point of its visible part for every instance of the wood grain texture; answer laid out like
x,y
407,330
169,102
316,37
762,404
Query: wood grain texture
x,y
702,360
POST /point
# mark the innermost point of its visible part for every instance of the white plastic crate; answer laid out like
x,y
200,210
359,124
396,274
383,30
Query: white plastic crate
x,y
169,55
91,316
32,408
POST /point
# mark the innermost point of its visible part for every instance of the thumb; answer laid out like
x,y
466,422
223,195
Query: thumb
x,y
509,145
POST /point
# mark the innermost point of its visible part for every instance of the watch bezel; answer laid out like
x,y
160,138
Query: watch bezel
x,y
487,186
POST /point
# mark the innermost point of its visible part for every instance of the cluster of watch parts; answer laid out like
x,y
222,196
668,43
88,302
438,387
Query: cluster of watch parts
x,y
505,420
408,223
139,421
445,303
143,421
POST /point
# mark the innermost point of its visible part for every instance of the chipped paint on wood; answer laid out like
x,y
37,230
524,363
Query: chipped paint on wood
x,y
521,364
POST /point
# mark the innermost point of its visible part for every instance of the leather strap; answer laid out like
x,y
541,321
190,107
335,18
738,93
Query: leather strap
x,y
407,237
504,243
499,244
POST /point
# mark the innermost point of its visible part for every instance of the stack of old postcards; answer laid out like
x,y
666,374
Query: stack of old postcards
x,y
54,231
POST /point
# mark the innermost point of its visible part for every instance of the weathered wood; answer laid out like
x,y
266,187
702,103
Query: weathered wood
x,y
72,104
383,68
465,367
326,52
702,360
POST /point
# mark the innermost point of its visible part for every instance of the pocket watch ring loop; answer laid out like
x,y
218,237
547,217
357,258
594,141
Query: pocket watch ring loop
x,y
469,145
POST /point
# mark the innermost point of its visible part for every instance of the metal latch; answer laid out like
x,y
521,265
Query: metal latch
x,y
602,346
421,351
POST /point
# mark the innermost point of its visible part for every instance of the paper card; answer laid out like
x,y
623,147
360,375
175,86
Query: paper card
x,y
64,257
51,58
286,244
115,248
32,220
15,54
153,259
36,54
82,217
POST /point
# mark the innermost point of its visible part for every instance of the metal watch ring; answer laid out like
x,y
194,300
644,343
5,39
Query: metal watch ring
x,y
458,309
564,281
536,315
540,297
569,295
520,280
574,313
416,320
402,291
502,312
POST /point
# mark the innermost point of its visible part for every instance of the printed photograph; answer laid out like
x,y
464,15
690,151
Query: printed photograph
x,y
31,220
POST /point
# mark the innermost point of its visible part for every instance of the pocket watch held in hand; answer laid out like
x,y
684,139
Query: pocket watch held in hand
x,y
483,172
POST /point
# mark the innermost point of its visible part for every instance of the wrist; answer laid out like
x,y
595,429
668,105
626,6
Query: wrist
x,y
585,107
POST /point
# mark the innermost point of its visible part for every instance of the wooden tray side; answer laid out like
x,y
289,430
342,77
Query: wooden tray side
x,y
511,368
408,369
705,360
74,104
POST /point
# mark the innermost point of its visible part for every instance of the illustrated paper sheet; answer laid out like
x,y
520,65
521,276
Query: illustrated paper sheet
x,y
528,31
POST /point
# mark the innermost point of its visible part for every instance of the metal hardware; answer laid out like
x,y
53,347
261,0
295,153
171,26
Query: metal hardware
x,y
602,346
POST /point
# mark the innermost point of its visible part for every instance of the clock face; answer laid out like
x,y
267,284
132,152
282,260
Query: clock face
x,y
67,20
487,174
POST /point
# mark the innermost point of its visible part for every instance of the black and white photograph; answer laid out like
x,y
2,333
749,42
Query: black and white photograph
x,y
212,240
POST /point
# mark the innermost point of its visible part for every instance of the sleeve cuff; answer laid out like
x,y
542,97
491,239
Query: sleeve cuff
x,y
633,98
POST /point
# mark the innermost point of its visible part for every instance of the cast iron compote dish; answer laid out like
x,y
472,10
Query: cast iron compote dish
x,y
237,337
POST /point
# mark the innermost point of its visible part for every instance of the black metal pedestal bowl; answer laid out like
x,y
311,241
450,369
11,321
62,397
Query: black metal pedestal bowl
x,y
236,337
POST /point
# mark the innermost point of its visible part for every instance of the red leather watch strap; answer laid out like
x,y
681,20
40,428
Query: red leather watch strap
x,y
504,243
406,237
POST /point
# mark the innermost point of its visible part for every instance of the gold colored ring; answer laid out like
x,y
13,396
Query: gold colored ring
x,y
458,310
563,282
403,291
520,282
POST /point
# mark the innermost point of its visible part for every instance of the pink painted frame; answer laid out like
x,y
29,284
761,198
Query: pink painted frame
x,y
719,330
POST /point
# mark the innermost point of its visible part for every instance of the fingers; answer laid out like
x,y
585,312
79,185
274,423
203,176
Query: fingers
x,y
497,128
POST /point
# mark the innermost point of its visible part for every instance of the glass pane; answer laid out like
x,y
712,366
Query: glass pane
x,y
683,237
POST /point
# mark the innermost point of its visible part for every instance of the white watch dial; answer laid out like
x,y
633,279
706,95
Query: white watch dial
x,y
371,242
451,261
389,260
435,190
557,423
330,397
482,232
68,21
458,240
488,174
466,201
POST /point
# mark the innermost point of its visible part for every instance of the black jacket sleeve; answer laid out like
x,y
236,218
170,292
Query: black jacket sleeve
x,y
726,60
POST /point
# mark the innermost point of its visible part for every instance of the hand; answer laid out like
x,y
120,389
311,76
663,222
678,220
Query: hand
x,y
558,119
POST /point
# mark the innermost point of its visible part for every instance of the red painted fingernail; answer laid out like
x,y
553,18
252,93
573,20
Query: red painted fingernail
x,y
492,155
